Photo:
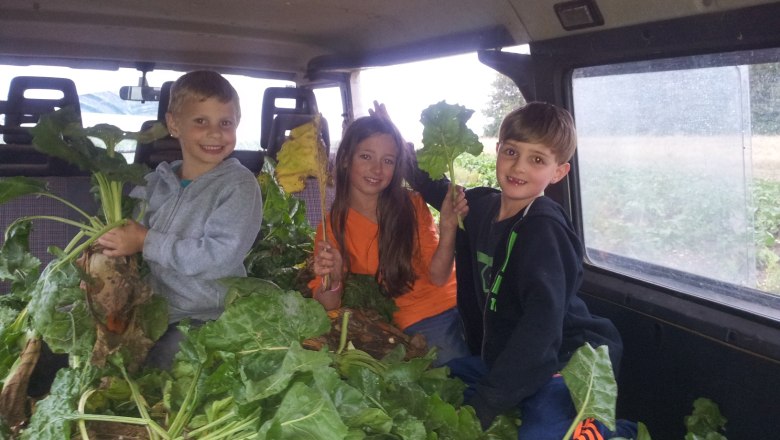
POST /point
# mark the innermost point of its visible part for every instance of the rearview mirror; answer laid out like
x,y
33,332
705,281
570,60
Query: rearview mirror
x,y
139,93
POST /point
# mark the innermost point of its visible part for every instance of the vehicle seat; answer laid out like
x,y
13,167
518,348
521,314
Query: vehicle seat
x,y
23,111
166,149
277,120
18,157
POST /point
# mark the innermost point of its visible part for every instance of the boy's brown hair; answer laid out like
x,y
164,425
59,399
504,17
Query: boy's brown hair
x,y
541,123
202,85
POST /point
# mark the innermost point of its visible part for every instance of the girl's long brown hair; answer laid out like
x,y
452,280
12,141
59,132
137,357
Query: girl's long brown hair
x,y
398,241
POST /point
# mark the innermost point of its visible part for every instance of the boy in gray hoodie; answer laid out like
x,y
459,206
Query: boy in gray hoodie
x,y
203,212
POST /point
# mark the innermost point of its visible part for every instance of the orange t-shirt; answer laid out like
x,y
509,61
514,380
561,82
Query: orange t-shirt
x,y
361,239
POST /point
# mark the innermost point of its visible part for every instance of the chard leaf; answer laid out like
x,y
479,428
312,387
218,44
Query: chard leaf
x,y
437,381
13,187
60,134
445,137
297,360
305,413
111,135
643,433
706,421
14,337
367,382
49,137
407,372
265,321
371,420
60,313
503,427
450,423
408,427
591,382
349,401
17,264
302,156
54,416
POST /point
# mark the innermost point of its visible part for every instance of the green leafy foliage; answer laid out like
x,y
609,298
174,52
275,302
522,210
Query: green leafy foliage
x,y
285,240
246,376
60,134
285,317
17,264
445,137
20,186
60,313
363,292
55,415
591,382
706,422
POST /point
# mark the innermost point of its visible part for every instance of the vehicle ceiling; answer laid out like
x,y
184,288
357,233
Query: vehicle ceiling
x,y
284,36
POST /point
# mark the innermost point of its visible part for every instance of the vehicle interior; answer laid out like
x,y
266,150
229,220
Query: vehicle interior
x,y
688,331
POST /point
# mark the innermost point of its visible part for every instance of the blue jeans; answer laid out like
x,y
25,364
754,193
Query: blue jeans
x,y
547,414
445,332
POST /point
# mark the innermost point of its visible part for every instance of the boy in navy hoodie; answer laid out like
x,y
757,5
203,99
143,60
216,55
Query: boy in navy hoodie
x,y
202,212
519,268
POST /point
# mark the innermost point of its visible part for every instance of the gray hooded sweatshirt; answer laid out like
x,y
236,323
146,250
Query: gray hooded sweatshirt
x,y
198,234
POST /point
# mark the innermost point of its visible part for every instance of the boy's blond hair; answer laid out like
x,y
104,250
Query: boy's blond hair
x,y
202,85
541,123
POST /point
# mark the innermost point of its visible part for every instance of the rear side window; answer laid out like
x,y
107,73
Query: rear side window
x,y
679,169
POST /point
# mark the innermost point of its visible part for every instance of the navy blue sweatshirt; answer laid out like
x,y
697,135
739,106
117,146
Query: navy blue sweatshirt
x,y
527,330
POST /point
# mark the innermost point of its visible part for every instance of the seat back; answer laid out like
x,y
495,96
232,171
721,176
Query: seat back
x,y
273,105
18,157
23,111
166,149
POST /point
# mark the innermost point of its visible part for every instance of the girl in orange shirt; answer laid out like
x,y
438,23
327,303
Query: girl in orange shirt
x,y
387,231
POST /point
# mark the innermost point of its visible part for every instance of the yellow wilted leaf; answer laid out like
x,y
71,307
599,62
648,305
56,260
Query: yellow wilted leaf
x,y
301,157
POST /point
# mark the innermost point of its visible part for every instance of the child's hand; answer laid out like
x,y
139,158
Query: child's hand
x,y
328,262
123,240
451,208
379,111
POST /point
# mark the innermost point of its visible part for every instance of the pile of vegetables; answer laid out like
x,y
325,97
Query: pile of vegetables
x,y
246,375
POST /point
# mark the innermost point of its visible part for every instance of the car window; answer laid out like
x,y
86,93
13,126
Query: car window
x,y
679,169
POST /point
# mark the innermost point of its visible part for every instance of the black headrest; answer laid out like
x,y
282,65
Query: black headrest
x,y
166,149
165,98
305,103
283,123
23,111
